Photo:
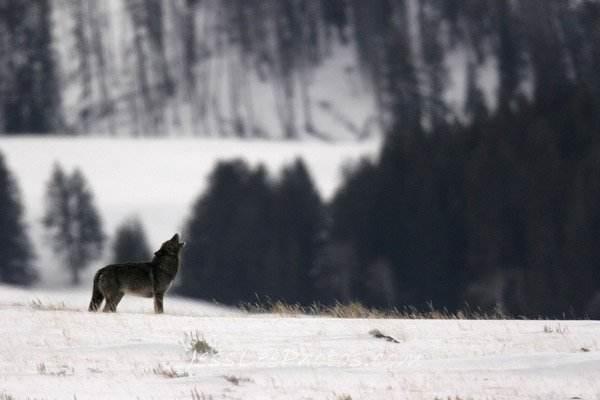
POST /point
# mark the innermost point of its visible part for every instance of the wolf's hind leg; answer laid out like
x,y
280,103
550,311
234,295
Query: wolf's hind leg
x,y
158,303
112,302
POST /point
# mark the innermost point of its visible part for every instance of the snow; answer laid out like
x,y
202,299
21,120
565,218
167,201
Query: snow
x,y
66,353
155,179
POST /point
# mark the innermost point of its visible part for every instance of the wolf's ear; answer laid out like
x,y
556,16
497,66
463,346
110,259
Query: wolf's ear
x,y
175,238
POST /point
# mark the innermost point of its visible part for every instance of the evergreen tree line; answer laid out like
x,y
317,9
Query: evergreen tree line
x,y
497,213
142,65
500,213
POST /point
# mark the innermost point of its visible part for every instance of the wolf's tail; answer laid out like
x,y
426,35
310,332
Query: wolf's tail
x,y
97,295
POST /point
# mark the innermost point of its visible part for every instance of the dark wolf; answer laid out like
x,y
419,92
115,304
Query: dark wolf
x,y
146,279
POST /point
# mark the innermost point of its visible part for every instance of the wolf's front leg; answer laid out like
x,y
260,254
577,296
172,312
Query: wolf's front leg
x,y
158,303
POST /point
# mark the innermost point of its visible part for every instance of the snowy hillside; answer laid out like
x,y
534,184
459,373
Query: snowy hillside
x,y
155,179
216,93
52,348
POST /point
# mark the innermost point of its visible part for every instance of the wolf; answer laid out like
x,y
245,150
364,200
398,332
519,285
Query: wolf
x,y
146,279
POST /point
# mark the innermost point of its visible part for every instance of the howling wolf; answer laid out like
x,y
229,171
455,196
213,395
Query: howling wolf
x,y
147,279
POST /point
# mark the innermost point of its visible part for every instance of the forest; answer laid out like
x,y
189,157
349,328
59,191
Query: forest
x,y
153,67
491,204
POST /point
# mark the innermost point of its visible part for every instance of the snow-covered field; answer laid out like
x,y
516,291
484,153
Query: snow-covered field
x,y
52,348
155,179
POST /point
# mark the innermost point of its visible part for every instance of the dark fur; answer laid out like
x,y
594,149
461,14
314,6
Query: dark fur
x,y
146,279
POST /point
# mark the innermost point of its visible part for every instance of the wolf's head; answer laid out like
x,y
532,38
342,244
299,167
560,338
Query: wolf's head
x,y
171,247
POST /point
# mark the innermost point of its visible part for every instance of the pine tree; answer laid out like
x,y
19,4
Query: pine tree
x,y
433,55
82,55
72,221
509,52
152,77
31,95
130,242
16,251
299,222
104,65
214,261
547,51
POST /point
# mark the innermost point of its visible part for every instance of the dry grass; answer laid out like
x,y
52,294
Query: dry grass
x,y
6,396
61,370
200,396
358,310
37,304
560,329
196,345
168,372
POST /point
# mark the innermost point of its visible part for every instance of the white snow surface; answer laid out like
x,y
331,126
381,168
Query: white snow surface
x,y
52,348
156,179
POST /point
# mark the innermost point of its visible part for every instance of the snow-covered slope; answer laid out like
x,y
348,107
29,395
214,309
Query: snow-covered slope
x,y
155,179
66,353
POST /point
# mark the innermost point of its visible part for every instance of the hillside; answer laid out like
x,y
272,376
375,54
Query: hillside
x,y
54,349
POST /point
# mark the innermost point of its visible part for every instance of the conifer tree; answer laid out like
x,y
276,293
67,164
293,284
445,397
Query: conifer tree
x,y
72,221
16,251
299,220
207,231
130,242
